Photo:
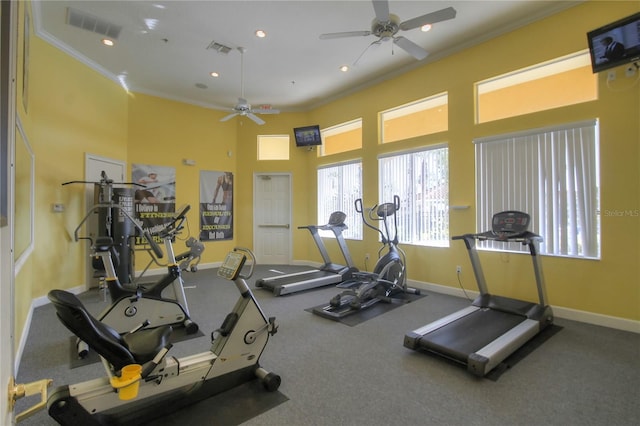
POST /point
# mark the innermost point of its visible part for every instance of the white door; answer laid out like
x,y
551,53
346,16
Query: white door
x,y
94,166
8,38
272,218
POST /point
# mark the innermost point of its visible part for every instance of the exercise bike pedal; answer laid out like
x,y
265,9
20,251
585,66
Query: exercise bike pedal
x,y
191,327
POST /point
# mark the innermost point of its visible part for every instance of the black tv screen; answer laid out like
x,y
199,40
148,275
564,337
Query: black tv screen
x,y
615,44
307,136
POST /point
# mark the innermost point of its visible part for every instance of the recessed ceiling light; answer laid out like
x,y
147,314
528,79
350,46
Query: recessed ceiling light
x,y
425,28
107,42
151,23
261,33
214,74
344,68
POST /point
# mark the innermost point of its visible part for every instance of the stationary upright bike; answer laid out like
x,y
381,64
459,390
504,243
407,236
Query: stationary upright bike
x,y
142,383
144,303
389,274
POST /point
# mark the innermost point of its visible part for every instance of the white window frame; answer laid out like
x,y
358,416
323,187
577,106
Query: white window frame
x,y
553,175
339,194
423,218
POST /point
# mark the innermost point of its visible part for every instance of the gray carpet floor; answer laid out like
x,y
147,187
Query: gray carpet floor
x,y
335,374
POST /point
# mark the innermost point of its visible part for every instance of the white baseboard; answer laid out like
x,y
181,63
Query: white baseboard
x,y
559,311
35,303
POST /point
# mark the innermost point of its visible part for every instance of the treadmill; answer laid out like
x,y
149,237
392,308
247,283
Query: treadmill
x,y
493,327
329,273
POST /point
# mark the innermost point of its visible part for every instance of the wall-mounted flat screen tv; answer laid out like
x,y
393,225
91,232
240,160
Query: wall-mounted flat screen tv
x,y
307,136
615,44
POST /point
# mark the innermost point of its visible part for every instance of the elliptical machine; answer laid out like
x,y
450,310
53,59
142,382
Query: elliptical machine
x,y
389,274
141,382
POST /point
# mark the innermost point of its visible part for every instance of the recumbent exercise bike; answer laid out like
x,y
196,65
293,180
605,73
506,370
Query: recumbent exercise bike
x,y
160,384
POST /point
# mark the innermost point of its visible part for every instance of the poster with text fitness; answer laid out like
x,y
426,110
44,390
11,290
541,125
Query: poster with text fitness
x,y
154,199
216,206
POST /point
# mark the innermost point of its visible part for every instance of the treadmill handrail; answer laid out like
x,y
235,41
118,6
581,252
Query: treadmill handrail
x,y
527,238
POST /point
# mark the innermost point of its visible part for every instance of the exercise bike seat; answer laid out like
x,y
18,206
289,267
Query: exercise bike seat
x,y
137,347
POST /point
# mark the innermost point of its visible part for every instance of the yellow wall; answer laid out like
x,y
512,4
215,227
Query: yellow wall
x,y
73,110
164,133
610,286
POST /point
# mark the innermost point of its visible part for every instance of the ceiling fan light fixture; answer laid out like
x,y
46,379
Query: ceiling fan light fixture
x,y
107,42
425,28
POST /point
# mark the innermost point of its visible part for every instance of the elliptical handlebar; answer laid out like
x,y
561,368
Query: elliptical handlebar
x,y
382,211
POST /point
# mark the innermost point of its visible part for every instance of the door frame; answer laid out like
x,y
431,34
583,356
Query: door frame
x,y
8,47
256,246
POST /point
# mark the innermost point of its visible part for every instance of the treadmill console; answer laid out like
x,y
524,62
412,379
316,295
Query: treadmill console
x,y
510,224
232,265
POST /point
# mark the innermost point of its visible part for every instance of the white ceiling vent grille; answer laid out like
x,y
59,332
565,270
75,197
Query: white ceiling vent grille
x,y
86,21
220,48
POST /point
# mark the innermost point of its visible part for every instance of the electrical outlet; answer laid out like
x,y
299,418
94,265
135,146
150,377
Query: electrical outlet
x,y
611,76
458,269
367,256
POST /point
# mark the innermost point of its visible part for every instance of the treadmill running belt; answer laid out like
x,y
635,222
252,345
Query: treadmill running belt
x,y
468,334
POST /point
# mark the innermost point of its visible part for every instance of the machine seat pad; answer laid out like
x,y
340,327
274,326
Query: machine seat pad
x,y
145,344
103,244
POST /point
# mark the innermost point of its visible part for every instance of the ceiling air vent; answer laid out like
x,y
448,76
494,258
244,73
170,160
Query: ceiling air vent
x,y
86,21
220,48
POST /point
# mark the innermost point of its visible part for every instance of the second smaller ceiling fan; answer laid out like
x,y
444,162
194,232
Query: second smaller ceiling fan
x,y
243,108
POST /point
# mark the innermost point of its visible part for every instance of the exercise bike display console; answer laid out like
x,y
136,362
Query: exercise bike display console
x,y
232,265
482,335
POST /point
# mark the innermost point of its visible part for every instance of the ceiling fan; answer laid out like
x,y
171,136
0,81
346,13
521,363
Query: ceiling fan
x,y
243,108
386,25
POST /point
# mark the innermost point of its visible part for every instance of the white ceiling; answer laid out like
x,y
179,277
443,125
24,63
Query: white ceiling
x,y
291,69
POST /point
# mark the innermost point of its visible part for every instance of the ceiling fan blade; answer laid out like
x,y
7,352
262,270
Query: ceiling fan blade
x,y
381,8
411,48
429,18
229,117
255,119
344,34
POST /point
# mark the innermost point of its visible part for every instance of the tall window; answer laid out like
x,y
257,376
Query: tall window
x,y
339,186
421,180
553,175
